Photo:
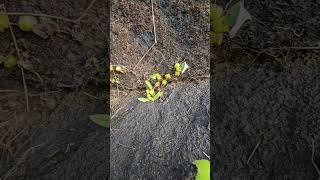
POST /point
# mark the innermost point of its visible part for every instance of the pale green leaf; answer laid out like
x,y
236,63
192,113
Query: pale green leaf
x,y
148,83
100,119
242,18
26,23
184,67
157,96
144,100
203,169
232,14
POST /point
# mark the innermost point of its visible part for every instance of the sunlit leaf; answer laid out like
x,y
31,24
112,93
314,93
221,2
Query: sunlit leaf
x,y
184,67
148,83
203,169
143,99
100,119
177,73
119,69
26,23
157,96
167,76
164,83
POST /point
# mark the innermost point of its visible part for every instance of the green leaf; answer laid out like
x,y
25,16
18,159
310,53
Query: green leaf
x,y
243,16
157,96
217,20
216,13
100,119
203,172
232,14
153,76
10,61
144,100
184,67
4,22
216,38
26,23
148,83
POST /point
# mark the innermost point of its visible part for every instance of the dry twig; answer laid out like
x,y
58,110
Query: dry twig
x,y
75,21
155,36
19,57
254,150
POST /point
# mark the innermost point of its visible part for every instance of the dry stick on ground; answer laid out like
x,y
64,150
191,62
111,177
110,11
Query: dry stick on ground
x,y
254,150
75,21
312,159
19,57
85,12
155,36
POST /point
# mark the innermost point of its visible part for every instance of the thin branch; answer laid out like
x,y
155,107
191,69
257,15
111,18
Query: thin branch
x,y
254,150
40,15
155,36
19,57
85,12
144,55
75,21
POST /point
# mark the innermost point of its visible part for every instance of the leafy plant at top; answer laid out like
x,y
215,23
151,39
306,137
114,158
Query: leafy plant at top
x,y
203,169
26,23
233,19
232,14
4,22
219,25
157,81
100,119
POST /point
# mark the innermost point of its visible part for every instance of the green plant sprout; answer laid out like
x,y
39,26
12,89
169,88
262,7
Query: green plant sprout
x,y
157,82
203,169
115,69
101,119
230,21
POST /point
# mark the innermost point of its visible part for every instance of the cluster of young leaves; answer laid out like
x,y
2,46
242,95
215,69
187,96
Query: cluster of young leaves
x,y
113,70
156,83
100,119
222,22
203,169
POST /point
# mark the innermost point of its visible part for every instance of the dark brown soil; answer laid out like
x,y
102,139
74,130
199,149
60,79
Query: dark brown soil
x,y
55,139
264,92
